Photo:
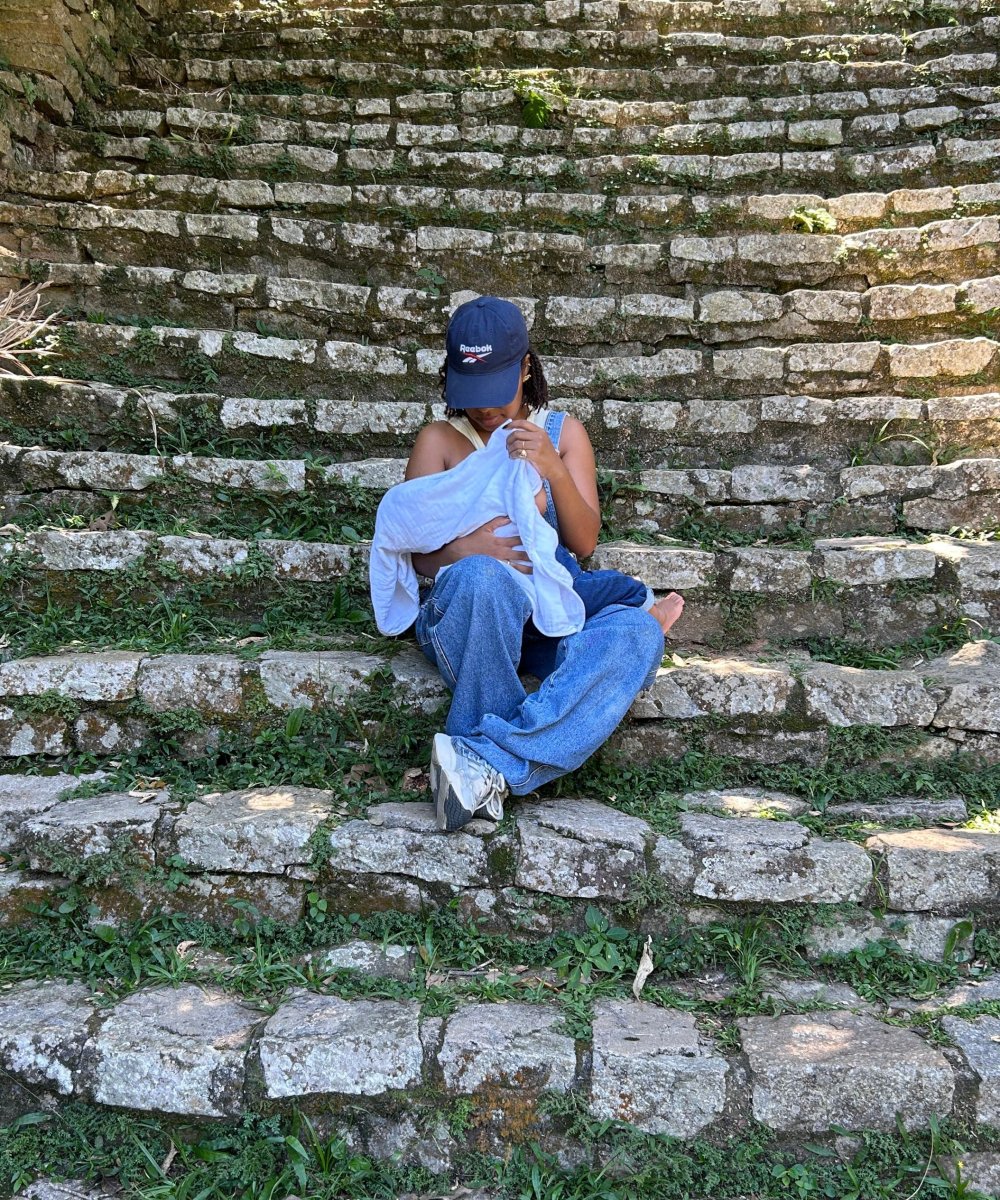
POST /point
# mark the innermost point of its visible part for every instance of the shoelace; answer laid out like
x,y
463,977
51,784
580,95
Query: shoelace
x,y
490,786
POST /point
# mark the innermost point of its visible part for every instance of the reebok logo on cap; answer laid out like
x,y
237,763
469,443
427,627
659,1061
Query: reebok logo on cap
x,y
474,354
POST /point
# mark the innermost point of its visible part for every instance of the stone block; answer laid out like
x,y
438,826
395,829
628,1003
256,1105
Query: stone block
x,y
25,796
970,677
322,1045
813,1071
653,1070
108,675
257,830
579,848
518,1046
766,861
368,958
940,869
311,679
63,550
979,1042
659,567
954,358
85,828
174,1050
209,682
43,1032
718,687
851,696
769,571
414,850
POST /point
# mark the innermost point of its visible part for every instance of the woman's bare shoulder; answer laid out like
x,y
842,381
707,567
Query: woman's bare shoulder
x,y
574,433
436,448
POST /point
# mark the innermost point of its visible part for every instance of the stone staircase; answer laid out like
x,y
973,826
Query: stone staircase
x,y
758,247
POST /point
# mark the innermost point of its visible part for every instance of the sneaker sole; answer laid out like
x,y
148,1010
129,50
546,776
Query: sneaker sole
x,y
450,811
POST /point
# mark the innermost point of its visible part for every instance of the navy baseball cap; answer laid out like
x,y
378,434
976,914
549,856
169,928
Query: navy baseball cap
x,y
486,342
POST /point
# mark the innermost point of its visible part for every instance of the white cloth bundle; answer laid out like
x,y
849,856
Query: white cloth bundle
x,y
421,515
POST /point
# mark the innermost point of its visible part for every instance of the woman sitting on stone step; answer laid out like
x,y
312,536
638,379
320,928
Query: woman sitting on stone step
x,y
475,624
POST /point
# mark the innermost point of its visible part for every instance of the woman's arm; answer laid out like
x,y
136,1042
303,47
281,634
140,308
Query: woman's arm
x,y
572,475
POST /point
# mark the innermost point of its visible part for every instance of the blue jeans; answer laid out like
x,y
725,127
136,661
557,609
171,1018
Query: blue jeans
x,y
474,626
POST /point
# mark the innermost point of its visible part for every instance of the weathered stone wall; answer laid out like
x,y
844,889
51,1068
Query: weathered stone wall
x,y
56,54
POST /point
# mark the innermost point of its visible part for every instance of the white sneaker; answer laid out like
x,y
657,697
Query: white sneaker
x,y
464,785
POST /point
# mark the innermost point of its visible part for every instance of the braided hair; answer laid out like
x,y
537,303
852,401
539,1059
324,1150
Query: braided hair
x,y
535,393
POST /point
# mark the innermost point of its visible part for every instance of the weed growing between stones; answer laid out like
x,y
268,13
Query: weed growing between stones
x,y
156,614
261,1157
861,765
260,958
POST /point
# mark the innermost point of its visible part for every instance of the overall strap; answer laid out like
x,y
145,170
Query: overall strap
x,y
553,427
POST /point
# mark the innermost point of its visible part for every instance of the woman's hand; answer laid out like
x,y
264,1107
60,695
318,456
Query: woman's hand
x,y
485,541
527,442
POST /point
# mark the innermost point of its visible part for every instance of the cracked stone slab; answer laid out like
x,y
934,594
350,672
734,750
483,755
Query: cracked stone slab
x,y
721,687
43,1189
813,1071
579,848
652,1069
212,683
107,676
79,550
753,859
256,830
934,869
311,679
971,676
370,958
903,808
418,850
745,802
32,735
43,1032
25,796
851,696
323,1045
177,1050
509,1045
979,1041
93,825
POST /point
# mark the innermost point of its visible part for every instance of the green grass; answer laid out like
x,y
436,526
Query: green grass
x,y
271,1157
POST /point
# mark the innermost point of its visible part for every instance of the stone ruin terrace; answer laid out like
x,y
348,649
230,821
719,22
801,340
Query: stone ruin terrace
x,y
757,243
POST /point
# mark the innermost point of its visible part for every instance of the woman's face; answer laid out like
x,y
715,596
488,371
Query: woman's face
x,y
488,419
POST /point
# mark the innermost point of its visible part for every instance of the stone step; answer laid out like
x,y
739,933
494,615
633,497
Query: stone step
x,y
241,361
729,56
704,73
799,16
495,118
386,1074
568,211
780,709
728,852
417,264
868,591
705,504
306,308
828,432
876,152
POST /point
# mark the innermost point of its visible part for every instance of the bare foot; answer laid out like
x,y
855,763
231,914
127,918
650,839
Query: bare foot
x,y
667,610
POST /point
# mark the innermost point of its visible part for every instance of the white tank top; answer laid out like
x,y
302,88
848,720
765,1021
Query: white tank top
x,y
466,427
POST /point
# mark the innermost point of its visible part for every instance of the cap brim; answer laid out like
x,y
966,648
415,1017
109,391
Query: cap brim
x,y
493,390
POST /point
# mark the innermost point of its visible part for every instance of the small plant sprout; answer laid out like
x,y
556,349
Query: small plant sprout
x,y
813,220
